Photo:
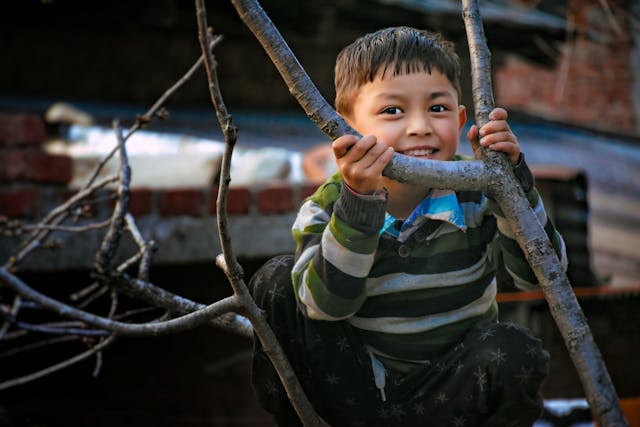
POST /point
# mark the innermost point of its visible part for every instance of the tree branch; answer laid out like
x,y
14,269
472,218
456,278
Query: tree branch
x,y
533,240
188,321
53,218
227,261
402,168
57,367
111,240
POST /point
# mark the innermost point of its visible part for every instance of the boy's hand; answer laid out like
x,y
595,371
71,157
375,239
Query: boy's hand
x,y
361,162
496,135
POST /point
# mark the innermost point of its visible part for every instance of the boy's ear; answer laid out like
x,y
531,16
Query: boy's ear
x,y
462,116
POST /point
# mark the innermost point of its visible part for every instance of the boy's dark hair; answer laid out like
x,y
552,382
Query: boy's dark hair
x,y
406,49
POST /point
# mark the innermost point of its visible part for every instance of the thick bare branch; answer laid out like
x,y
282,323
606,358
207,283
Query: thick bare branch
x,y
178,305
402,168
188,321
218,314
563,304
227,260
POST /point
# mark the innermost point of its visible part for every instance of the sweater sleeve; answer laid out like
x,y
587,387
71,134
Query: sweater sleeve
x,y
336,233
514,259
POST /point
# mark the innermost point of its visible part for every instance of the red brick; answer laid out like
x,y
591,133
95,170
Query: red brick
x,y
180,202
21,129
275,199
141,201
19,202
597,80
238,200
307,190
34,165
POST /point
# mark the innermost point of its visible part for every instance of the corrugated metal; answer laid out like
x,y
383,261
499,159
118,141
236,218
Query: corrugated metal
x,y
490,11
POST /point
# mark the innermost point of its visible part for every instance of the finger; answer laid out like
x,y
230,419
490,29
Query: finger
x,y
361,148
383,160
498,114
374,170
505,147
472,134
342,145
494,126
371,156
498,137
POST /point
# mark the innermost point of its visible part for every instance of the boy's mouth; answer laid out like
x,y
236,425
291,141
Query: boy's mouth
x,y
420,152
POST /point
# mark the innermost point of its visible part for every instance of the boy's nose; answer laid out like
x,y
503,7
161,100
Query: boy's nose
x,y
418,125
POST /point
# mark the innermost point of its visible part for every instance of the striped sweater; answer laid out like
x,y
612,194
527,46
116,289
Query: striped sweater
x,y
410,288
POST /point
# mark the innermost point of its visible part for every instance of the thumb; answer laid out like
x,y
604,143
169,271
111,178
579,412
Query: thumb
x,y
472,136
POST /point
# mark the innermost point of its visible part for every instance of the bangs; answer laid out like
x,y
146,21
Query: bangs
x,y
396,50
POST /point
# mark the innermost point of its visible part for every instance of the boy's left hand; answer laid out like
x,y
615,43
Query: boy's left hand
x,y
495,135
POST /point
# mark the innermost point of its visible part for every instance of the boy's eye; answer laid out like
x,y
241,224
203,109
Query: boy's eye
x,y
392,110
438,109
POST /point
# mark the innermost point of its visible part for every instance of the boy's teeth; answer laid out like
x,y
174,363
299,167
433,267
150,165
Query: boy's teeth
x,y
421,152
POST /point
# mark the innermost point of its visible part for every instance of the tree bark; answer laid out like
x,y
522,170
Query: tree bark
x,y
533,240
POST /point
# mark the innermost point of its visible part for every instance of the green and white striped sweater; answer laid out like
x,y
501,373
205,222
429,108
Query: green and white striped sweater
x,y
411,291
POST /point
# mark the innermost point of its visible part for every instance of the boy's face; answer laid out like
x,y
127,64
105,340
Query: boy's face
x,y
417,114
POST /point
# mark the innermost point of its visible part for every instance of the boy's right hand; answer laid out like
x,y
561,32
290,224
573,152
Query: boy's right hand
x,y
361,162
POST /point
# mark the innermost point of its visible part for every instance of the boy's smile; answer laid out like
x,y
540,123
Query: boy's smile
x,y
416,114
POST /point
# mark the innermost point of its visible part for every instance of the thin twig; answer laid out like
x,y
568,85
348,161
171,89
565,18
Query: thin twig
x,y
54,217
69,228
57,367
12,313
611,18
567,58
111,239
145,263
39,344
147,116
17,334
135,231
59,331
84,292
99,361
93,297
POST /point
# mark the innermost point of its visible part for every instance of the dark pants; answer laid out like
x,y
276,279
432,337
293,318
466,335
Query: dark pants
x,y
491,378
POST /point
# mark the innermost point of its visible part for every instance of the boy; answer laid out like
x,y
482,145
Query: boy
x,y
391,318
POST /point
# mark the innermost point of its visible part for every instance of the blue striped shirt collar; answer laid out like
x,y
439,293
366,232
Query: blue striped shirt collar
x,y
439,205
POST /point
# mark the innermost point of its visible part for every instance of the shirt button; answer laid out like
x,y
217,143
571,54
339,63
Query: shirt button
x,y
420,236
404,251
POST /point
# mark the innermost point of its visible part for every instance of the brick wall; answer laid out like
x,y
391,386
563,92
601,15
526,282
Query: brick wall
x,y
28,175
181,220
591,82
